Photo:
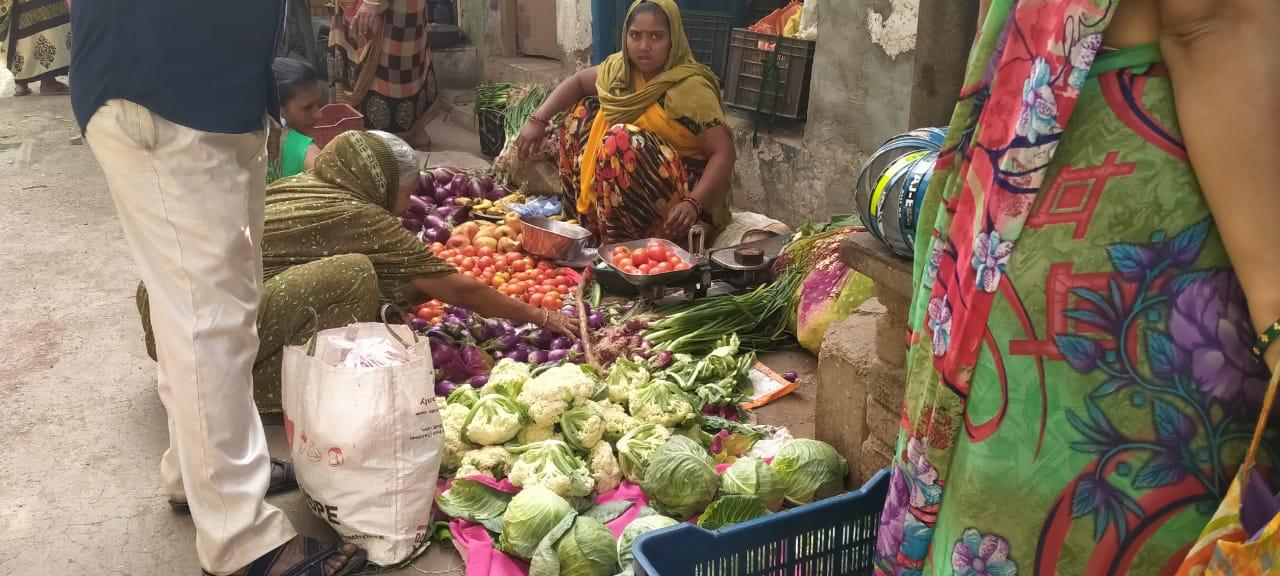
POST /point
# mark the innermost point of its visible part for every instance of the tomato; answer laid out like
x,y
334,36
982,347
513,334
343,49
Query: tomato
x,y
469,251
535,300
640,257
469,263
520,266
552,304
682,266
644,268
661,268
484,251
544,265
658,253
562,283
469,274
485,261
626,262
674,260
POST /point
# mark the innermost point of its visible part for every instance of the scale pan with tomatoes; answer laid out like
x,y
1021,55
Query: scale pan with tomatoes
x,y
654,266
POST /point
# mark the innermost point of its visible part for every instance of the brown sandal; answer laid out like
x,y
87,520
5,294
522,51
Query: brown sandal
x,y
312,564
287,482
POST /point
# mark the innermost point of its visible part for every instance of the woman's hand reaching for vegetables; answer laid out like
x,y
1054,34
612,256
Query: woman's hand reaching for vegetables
x,y
531,136
561,324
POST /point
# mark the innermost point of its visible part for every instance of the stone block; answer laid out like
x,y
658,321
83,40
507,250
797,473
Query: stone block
x,y
882,421
891,339
848,350
886,383
872,456
892,274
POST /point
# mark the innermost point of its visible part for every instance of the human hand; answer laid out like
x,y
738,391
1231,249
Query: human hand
x,y
367,20
681,218
561,323
531,136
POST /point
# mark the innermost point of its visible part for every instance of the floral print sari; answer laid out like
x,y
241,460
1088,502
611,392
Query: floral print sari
x,y
1080,386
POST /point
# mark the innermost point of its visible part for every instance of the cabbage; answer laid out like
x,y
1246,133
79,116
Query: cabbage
x,y
731,509
829,292
635,448
680,479
551,464
493,419
810,470
752,477
471,500
507,378
529,517
586,548
634,530
582,427
624,377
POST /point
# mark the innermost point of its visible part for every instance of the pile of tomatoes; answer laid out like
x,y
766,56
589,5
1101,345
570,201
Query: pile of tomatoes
x,y
655,258
513,274
432,312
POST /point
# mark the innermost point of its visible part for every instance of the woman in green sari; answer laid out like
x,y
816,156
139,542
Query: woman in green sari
x,y
1093,269
332,243
298,86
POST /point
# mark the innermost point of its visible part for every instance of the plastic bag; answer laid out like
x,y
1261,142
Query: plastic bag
x,y
808,21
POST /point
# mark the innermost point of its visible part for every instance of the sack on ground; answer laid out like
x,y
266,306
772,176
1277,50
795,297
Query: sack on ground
x,y
538,175
365,436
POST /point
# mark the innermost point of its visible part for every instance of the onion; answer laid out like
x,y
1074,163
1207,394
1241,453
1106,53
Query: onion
x,y
662,359
557,355
537,357
637,325
790,375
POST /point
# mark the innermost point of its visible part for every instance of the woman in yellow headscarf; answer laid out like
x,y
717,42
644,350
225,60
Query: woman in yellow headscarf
x,y
644,149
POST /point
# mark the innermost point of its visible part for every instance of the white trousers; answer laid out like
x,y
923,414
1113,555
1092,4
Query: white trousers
x,y
191,206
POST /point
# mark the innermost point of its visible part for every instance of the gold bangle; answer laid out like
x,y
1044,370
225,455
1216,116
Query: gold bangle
x,y
546,318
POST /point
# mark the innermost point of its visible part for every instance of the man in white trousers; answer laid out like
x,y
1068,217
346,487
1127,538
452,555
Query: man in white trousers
x,y
173,97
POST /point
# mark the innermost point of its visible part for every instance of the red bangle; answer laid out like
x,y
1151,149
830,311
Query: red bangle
x,y
543,121
696,205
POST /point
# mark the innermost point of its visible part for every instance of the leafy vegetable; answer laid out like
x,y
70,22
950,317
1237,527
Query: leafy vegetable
x,y
752,477
551,464
586,549
810,470
635,529
680,479
464,395
731,509
493,419
582,427
491,461
661,402
529,517
637,446
625,376
604,467
616,420
549,394
507,378
471,500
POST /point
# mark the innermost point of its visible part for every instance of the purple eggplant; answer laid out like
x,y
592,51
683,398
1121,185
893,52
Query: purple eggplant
x,y
519,356
420,206
444,387
446,211
486,182
507,342
412,224
570,311
460,215
790,375
442,176
557,355
595,321
434,221
561,343
444,195
540,338
477,361
418,324
538,357
476,190
478,381
435,235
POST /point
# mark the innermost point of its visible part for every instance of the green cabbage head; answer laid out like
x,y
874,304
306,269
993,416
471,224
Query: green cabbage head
x,y
810,470
634,530
750,476
680,479
530,515
635,448
587,549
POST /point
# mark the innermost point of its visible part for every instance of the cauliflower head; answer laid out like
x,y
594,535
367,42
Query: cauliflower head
x,y
582,427
493,419
616,420
604,467
534,433
547,396
507,378
663,403
454,416
552,465
491,461
625,376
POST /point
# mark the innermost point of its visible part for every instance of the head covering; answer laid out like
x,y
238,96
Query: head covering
x,y
343,206
406,157
691,89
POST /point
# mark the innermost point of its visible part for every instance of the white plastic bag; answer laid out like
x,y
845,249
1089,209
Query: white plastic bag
x,y
808,21
367,440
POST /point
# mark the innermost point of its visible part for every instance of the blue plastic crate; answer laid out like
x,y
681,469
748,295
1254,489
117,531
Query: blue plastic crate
x,y
828,537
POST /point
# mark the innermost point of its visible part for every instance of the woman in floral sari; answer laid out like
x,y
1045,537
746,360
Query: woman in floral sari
x,y
35,43
380,64
1081,386
644,149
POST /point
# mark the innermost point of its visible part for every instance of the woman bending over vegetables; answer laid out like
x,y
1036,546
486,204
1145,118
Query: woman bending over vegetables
x,y
332,243
644,149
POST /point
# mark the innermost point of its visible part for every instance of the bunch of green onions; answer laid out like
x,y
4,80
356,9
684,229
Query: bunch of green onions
x,y
759,318
521,103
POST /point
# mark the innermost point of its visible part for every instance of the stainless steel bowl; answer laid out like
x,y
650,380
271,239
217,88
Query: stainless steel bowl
x,y
553,240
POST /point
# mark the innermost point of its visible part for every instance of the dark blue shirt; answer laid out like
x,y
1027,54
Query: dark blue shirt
x,y
199,63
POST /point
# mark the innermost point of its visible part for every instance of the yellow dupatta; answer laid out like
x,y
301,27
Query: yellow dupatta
x,y
691,90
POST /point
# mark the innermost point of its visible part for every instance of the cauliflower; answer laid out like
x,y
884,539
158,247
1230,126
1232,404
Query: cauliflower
x,y
582,427
507,378
534,433
637,446
625,376
663,403
554,391
453,416
493,419
491,461
604,467
616,420
552,465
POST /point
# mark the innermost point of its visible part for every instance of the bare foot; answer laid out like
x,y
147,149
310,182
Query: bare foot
x,y
295,552
52,87
21,90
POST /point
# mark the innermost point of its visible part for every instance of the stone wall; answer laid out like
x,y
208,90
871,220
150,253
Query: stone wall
x,y
861,368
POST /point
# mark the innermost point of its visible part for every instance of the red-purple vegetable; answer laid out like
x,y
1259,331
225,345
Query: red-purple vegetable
x,y
790,375
444,387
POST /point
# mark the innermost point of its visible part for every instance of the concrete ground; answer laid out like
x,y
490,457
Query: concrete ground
x,y
83,429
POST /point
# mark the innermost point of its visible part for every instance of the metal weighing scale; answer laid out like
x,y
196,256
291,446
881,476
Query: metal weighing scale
x,y
747,266
689,284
